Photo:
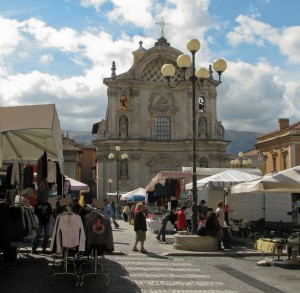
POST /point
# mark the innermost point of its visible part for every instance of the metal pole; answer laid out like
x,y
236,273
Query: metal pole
x,y
195,196
117,179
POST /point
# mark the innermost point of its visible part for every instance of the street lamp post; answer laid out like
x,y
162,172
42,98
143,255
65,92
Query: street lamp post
x,y
168,70
111,156
241,163
241,155
110,181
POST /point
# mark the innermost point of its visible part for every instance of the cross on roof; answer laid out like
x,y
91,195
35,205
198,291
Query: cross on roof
x,y
162,23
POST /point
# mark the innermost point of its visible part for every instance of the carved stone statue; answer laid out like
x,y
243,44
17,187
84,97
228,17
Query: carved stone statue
x,y
220,130
202,127
123,168
123,127
102,128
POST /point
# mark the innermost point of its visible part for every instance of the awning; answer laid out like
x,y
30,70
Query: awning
x,y
77,185
223,179
283,181
27,131
162,176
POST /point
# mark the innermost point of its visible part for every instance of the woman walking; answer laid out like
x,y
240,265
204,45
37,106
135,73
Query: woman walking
x,y
140,227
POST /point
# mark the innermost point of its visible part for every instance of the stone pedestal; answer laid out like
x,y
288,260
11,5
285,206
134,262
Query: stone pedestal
x,y
183,241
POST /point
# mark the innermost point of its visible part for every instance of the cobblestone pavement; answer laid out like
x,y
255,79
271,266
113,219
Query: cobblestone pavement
x,y
162,270
153,273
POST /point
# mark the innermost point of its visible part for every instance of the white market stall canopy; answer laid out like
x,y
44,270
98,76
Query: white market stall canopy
x,y
27,131
137,192
284,181
162,176
77,185
223,179
205,172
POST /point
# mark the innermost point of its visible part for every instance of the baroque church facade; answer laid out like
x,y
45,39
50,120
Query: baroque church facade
x,y
152,123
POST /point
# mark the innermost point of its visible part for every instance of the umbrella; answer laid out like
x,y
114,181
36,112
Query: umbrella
x,y
284,181
136,198
137,192
27,131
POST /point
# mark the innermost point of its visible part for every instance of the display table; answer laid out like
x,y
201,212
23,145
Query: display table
x,y
267,246
154,225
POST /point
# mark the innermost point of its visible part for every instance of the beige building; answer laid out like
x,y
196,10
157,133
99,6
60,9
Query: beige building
x,y
72,152
152,123
281,148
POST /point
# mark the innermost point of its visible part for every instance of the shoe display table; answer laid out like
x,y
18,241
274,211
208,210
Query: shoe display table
x,y
273,246
154,225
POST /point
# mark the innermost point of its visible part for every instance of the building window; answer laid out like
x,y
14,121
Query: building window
x,y
201,102
163,128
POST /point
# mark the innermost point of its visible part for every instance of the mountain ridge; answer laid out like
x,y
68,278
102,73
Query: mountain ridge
x,y
241,141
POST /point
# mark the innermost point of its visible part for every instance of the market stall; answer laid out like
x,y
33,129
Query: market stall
x,y
164,192
27,134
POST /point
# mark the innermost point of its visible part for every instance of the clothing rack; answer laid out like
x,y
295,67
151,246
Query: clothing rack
x,y
65,265
68,233
95,264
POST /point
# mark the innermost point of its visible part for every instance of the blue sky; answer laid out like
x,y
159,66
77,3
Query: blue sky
x,y
59,51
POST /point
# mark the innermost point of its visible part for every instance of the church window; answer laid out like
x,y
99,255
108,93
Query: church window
x,y
163,128
201,102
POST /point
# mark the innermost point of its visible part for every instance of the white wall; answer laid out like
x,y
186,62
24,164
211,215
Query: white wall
x,y
251,206
278,205
248,206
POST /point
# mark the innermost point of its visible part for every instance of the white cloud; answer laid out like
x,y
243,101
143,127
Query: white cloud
x,y
94,3
251,97
65,39
137,12
256,32
75,99
46,58
289,43
252,31
10,36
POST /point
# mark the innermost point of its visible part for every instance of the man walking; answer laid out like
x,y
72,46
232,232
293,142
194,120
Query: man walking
x,y
169,216
43,212
108,212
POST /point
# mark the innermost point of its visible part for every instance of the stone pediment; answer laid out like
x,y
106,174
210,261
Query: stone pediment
x,y
162,103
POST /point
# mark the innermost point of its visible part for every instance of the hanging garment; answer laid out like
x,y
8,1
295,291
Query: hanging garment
x,y
98,232
170,187
42,167
15,175
28,177
51,171
68,232
43,191
159,190
59,180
